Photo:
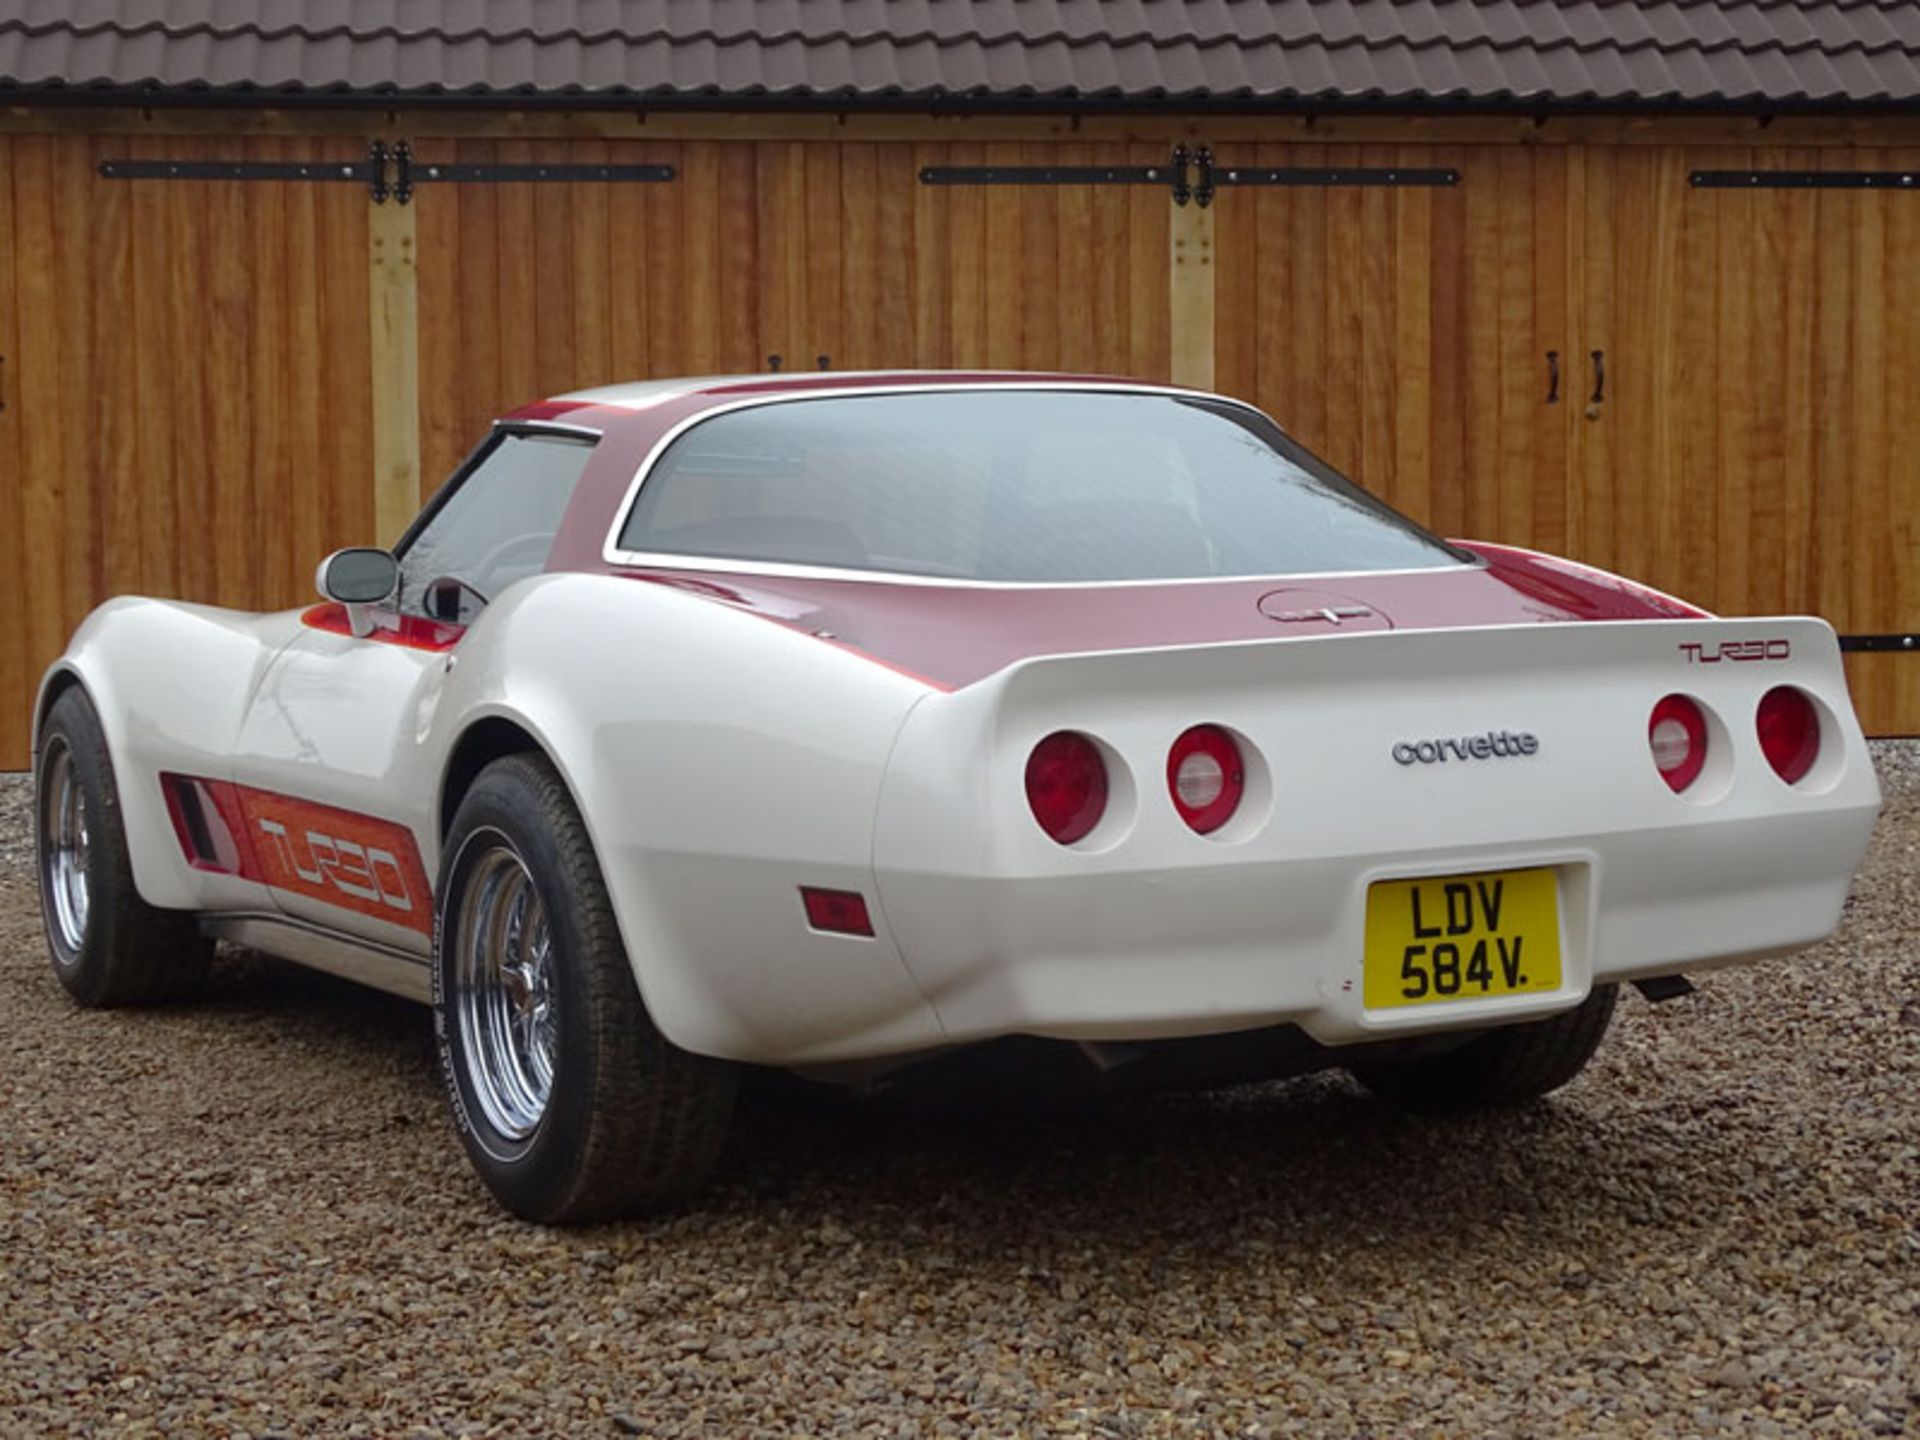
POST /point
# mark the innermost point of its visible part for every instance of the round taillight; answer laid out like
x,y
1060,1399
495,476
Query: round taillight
x,y
1206,777
1067,785
1677,734
1789,732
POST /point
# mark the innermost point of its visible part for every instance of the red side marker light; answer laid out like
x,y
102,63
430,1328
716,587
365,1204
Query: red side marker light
x,y
1789,732
1067,785
1677,735
839,912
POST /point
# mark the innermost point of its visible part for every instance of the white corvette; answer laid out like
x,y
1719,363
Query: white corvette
x,y
835,722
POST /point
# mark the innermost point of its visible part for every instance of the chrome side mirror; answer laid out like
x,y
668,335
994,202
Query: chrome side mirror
x,y
358,578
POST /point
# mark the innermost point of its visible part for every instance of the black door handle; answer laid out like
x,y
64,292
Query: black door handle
x,y
1599,376
1553,377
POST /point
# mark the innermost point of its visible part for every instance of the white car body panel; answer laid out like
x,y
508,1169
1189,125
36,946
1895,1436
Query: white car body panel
x,y
731,760
722,758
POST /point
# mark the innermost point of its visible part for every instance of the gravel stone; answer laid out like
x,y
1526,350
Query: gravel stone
x,y
250,1217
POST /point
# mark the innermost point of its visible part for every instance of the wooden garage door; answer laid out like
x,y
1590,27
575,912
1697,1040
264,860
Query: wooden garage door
x,y
1758,447
185,382
764,248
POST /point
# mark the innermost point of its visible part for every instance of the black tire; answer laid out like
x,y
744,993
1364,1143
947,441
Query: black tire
x,y
110,948
1505,1067
628,1122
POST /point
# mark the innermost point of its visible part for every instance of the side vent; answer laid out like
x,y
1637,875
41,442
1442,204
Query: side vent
x,y
201,823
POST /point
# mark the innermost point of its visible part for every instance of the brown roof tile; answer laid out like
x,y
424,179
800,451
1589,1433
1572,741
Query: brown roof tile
x,y
979,53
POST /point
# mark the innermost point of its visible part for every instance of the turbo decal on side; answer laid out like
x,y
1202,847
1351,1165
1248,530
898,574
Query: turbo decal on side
x,y
338,857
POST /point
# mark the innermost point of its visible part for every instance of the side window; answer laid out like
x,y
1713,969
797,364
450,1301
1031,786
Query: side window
x,y
498,524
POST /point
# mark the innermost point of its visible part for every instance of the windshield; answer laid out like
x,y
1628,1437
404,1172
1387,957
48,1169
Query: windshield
x,y
1020,486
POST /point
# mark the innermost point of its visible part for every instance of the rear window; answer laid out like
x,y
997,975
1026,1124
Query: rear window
x,y
1016,486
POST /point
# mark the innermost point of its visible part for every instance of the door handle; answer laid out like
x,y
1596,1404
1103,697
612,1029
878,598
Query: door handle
x,y
1599,376
1553,377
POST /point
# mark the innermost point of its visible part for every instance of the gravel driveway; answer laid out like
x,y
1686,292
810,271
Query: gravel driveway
x,y
251,1217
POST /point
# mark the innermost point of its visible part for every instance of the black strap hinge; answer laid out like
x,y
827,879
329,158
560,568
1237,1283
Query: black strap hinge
x,y
1805,179
1880,644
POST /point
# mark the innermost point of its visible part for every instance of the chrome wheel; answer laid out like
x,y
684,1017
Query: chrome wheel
x,y
504,998
63,848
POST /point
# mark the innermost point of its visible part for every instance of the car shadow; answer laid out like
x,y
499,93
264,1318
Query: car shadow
x,y
1212,1177
1215,1177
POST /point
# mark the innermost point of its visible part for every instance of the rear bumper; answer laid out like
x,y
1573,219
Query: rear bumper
x,y
1240,945
1145,929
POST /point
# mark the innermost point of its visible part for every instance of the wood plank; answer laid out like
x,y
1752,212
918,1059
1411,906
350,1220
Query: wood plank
x,y
1763,402
700,251
1412,352
81,516
446,363
1798,301
860,246
1872,562
1341,224
1832,398
551,276
782,270
151,398
736,255
1149,328
112,377
230,397
393,325
1071,258
1190,290
1733,401
587,262
347,376
527,313
17,679
932,265
284,570
1038,270
825,334
1517,400
1481,354
1899,694
1377,326
1109,263
1627,426
309,448
1549,330
1302,379
1653,383
1447,360
46,413
186,284
1236,286
967,292
629,212
898,260
1005,245
1696,555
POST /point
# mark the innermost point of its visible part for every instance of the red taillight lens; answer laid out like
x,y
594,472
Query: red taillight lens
x,y
1789,732
1067,785
1206,777
1677,734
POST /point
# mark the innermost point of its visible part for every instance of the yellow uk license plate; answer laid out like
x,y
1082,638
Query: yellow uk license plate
x,y
1461,937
